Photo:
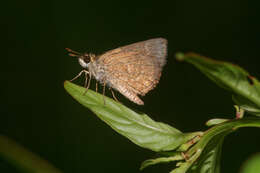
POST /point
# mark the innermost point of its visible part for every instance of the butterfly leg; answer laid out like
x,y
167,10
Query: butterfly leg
x,y
87,82
104,89
113,94
96,87
80,73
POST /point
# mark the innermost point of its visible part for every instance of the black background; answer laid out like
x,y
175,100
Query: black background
x,y
38,113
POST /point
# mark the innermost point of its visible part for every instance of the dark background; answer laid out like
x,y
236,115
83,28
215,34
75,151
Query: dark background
x,y
38,113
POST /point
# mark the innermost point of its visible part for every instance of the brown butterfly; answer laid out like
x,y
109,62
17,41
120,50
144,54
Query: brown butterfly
x,y
132,70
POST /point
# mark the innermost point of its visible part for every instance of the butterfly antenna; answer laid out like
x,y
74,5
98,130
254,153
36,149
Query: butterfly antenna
x,y
73,53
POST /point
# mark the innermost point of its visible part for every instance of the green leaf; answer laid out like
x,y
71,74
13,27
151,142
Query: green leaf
x,y
183,167
204,156
209,161
246,105
252,165
230,77
215,121
139,128
149,162
22,159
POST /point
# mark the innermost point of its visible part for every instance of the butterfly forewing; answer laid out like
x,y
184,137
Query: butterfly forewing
x,y
153,48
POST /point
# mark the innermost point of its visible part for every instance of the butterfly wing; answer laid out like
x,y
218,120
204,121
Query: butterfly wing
x,y
135,68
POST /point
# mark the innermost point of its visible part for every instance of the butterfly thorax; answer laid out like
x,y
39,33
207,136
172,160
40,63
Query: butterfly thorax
x,y
97,71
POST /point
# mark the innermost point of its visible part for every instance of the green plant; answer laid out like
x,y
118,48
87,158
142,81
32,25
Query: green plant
x,y
192,152
22,159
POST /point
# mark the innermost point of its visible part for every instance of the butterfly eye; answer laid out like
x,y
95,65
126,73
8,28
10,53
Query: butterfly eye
x,y
85,57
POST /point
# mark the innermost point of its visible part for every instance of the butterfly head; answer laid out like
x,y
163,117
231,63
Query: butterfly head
x,y
83,58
